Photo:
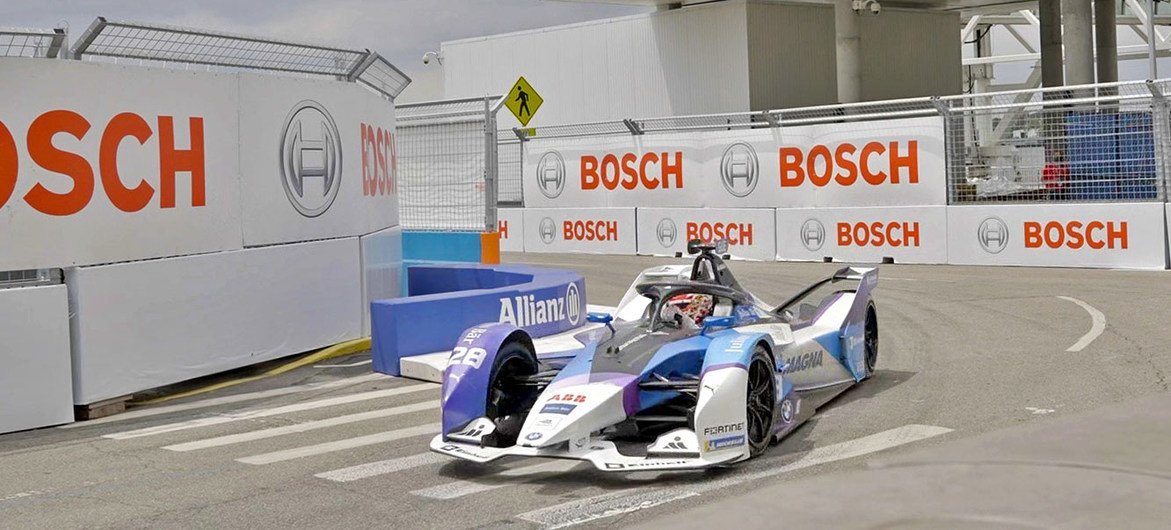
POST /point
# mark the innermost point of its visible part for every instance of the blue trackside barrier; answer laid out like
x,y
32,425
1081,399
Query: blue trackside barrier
x,y
1111,156
444,300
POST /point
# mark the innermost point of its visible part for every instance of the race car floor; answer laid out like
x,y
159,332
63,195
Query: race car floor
x,y
966,355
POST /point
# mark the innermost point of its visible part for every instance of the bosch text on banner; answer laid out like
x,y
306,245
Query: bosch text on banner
x,y
510,226
589,230
908,235
750,232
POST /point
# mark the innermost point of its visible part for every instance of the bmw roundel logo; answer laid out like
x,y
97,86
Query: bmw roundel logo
x,y
812,234
992,235
547,230
739,169
666,232
787,411
533,436
551,174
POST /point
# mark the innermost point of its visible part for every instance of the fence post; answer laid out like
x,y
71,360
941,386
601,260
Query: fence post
x,y
491,167
953,175
1161,135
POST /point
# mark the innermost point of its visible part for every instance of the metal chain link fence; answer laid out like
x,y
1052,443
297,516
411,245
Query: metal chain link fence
x,y
1091,143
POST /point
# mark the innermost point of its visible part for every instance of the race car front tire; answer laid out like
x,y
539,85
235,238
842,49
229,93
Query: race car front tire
x,y
508,402
762,398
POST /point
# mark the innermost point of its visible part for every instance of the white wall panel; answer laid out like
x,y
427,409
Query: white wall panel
x,y
147,324
382,269
36,389
866,235
586,230
511,227
750,232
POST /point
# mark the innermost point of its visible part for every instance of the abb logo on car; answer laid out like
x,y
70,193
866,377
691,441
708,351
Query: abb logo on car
x,y
1076,234
573,398
879,234
877,163
630,171
122,127
589,230
379,161
735,233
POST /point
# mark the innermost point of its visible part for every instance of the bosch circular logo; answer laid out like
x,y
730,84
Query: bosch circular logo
x,y
547,230
551,174
311,158
739,170
787,411
666,232
812,234
572,304
992,235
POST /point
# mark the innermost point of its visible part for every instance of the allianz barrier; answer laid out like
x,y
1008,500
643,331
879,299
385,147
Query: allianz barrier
x,y
1107,235
444,300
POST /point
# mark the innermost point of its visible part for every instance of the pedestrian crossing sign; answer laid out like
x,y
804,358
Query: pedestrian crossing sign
x,y
523,101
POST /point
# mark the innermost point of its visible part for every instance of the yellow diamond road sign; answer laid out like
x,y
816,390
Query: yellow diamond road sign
x,y
523,101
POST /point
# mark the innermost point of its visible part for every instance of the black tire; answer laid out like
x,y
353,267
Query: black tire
x,y
509,402
762,401
870,342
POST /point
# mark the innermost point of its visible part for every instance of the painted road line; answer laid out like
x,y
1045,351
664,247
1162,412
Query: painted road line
x,y
227,400
261,434
611,504
350,365
462,488
275,411
374,469
340,445
1097,326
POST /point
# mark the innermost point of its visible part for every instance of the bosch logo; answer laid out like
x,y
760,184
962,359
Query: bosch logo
x,y
813,234
572,304
666,232
739,169
311,150
551,174
547,230
992,235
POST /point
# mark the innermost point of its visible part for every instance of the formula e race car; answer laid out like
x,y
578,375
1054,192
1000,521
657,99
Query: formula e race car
x,y
690,371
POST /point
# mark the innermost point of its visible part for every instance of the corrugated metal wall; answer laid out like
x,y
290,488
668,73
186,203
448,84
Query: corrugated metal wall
x,y
791,55
910,53
685,61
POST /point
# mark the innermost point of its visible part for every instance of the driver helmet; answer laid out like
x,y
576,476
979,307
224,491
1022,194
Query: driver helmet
x,y
693,306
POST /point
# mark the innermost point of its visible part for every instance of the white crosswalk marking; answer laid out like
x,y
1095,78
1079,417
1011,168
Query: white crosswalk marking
x,y
461,488
275,411
611,504
383,467
340,445
230,439
227,400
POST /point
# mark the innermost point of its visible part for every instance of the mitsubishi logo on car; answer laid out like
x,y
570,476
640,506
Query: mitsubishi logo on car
x,y
992,235
739,169
551,174
547,230
812,234
310,158
666,232
572,304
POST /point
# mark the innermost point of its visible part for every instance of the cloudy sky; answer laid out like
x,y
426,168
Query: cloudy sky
x,y
401,30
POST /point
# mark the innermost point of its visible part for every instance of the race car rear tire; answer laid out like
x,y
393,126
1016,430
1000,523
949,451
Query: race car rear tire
x,y
762,399
870,342
509,402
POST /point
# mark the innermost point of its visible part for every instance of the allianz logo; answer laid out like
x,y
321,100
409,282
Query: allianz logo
x,y
528,310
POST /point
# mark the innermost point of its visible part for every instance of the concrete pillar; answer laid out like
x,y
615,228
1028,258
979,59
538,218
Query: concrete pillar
x,y
849,51
1051,55
1078,20
1106,33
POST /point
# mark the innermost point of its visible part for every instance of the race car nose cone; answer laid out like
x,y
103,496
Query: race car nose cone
x,y
572,413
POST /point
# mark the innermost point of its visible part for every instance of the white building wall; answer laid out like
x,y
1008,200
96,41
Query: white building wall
x,y
685,61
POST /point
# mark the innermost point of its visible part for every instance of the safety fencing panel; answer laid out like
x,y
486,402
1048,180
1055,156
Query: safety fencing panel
x,y
899,163
36,388
1127,235
750,232
511,227
586,230
867,235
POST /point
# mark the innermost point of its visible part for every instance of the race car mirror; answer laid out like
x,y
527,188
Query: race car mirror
x,y
717,322
693,246
696,246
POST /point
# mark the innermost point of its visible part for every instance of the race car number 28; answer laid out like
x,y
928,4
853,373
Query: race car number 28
x,y
470,356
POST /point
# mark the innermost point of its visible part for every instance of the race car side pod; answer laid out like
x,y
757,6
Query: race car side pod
x,y
467,378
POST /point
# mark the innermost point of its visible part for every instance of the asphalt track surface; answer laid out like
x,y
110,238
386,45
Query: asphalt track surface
x,y
967,355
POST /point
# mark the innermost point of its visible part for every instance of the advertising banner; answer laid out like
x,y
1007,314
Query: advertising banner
x,y
318,160
139,169
750,232
890,163
1058,235
864,235
511,226
588,230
